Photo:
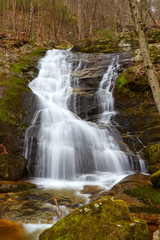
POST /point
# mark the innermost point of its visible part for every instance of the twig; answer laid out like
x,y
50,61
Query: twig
x,y
58,208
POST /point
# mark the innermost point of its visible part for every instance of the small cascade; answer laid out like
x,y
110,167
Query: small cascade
x,y
68,147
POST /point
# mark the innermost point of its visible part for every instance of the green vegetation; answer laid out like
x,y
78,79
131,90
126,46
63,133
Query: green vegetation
x,y
155,179
153,153
146,209
146,193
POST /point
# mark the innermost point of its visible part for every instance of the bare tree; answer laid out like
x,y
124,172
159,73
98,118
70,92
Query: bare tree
x,y
80,21
30,28
53,20
14,14
138,20
92,18
153,18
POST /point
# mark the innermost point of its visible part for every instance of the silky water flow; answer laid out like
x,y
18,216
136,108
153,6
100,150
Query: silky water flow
x,y
69,148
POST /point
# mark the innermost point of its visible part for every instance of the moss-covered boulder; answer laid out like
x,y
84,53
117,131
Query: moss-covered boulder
x,y
12,167
103,219
155,179
152,153
11,230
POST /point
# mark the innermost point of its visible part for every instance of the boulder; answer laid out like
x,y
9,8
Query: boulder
x,y
12,167
104,219
152,153
156,235
155,179
11,230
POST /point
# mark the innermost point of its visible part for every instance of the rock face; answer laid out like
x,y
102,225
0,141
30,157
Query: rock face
x,y
137,115
155,179
103,219
17,69
12,167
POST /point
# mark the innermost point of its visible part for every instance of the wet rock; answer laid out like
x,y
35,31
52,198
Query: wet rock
x,y
155,179
12,167
104,219
11,230
11,186
34,205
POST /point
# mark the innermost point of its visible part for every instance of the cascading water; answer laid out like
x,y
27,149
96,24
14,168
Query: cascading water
x,y
67,147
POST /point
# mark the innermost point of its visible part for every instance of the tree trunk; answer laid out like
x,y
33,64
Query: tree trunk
x,y
14,14
139,27
53,19
30,28
92,18
80,21
38,22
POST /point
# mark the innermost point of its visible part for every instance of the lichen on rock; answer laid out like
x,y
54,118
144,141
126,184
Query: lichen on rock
x,y
104,219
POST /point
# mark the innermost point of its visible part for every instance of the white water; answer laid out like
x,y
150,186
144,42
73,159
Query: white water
x,y
70,148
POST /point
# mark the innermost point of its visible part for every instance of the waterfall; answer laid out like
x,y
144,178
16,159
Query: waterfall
x,y
67,146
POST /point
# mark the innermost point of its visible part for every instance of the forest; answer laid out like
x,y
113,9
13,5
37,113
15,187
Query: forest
x,y
66,21
80,119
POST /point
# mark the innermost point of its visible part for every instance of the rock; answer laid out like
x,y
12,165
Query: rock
x,y
141,196
152,153
11,230
12,167
155,179
11,186
103,219
156,235
137,115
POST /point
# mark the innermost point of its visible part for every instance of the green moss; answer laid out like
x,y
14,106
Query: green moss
x,y
146,209
19,67
153,153
103,219
11,109
154,168
39,51
15,84
155,179
121,81
146,193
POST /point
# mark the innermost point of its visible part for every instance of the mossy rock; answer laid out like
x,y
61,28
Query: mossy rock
x,y
147,194
104,219
155,179
153,153
12,167
154,168
132,85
